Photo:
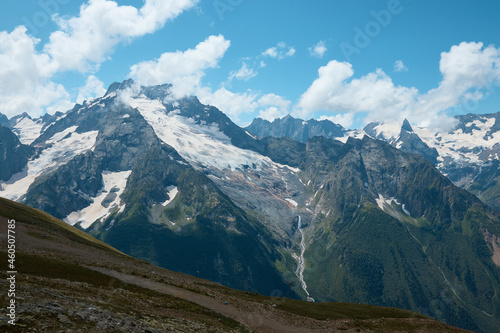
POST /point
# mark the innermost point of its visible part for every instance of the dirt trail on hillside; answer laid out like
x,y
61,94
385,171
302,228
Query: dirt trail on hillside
x,y
268,321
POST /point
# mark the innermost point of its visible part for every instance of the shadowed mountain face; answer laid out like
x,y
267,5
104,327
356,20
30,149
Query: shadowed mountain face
x,y
178,184
14,155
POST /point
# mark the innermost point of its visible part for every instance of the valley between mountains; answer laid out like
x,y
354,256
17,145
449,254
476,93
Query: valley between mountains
x,y
391,215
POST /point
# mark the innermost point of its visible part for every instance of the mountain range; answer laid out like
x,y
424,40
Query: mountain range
x,y
467,154
307,209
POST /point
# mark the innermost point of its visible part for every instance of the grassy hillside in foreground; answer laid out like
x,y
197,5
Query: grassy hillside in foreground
x,y
67,281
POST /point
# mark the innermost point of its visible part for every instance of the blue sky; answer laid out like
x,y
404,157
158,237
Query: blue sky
x,y
349,61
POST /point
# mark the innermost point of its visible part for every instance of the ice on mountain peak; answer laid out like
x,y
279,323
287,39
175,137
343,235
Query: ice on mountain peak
x,y
27,129
388,131
202,145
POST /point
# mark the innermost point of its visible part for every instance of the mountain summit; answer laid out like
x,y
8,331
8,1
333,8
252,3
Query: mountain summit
x,y
406,126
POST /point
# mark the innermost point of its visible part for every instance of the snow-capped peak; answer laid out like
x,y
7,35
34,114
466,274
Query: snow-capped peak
x,y
203,145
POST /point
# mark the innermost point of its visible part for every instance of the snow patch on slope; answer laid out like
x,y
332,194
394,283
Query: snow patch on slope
x,y
172,193
283,166
383,203
114,182
64,146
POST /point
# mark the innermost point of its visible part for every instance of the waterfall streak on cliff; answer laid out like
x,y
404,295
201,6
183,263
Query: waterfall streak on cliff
x,y
300,259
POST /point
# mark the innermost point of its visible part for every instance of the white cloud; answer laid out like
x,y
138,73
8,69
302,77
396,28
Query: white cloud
x,y
280,51
86,40
93,88
61,105
271,52
232,104
82,43
271,113
184,70
467,69
318,50
374,93
25,76
274,106
399,66
270,106
244,73
344,119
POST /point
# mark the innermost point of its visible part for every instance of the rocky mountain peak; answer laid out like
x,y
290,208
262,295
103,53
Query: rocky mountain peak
x,y
406,126
159,92
296,129
117,86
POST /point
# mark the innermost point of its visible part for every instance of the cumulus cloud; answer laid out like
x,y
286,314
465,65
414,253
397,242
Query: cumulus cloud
x,y
86,40
467,69
232,104
273,106
374,92
399,66
81,43
25,75
344,119
271,52
318,50
93,88
183,69
244,73
280,51
269,106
